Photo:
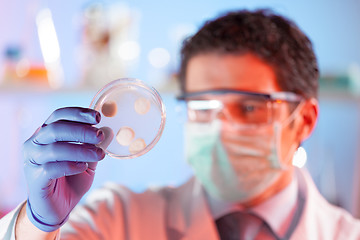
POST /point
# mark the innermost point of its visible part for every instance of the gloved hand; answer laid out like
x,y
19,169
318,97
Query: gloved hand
x,y
60,163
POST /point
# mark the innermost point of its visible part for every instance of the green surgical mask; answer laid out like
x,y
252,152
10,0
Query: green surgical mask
x,y
236,166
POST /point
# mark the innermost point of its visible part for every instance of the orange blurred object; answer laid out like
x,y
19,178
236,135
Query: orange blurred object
x,y
24,74
20,72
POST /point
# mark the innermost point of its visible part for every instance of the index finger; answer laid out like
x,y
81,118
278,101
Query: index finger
x,y
75,114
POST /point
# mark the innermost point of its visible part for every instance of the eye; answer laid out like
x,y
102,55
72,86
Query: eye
x,y
249,111
251,106
203,110
246,108
201,115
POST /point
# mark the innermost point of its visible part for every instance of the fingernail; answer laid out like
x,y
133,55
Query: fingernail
x,y
99,133
82,165
98,117
100,152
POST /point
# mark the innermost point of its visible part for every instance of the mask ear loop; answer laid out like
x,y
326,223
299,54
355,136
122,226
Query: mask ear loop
x,y
276,149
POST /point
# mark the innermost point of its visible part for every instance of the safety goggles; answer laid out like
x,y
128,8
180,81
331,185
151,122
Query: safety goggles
x,y
238,107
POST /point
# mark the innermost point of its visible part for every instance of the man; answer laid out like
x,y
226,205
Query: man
x,y
249,81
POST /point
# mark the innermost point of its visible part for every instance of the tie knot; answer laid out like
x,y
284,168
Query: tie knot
x,y
239,226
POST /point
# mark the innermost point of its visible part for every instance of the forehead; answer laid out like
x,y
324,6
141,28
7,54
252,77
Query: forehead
x,y
243,72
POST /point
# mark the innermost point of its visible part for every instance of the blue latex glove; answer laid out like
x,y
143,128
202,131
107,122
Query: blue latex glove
x,y
60,163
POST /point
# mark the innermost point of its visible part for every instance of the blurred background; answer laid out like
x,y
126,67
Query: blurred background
x,y
60,53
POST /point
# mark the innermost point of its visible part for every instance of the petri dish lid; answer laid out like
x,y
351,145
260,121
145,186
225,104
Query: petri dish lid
x,y
132,117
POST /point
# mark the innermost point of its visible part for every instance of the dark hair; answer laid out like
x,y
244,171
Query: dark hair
x,y
273,38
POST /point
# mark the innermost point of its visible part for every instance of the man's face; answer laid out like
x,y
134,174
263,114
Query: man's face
x,y
240,72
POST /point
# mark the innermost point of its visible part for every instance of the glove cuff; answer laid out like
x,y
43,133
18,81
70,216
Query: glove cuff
x,y
40,224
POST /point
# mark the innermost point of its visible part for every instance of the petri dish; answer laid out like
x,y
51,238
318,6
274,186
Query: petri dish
x,y
132,117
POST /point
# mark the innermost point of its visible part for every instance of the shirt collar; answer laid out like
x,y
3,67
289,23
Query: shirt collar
x,y
274,210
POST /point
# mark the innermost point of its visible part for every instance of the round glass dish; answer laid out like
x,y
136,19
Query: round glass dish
x,y
132,117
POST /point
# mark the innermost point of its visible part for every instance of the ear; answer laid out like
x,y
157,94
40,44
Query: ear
x,y
309,116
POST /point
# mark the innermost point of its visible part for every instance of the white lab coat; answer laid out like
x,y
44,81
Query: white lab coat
x,y
115,212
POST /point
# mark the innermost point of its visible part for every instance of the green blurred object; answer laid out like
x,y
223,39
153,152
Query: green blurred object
x,y
340,82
